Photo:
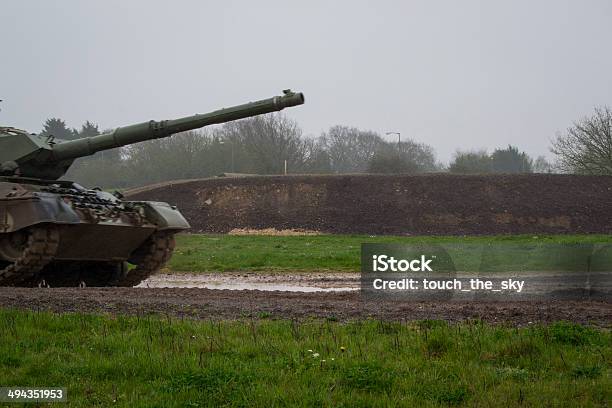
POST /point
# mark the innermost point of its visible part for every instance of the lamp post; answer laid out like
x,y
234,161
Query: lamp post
x,y
399,139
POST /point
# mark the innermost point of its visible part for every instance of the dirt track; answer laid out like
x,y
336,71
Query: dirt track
x,y
227,304
429,204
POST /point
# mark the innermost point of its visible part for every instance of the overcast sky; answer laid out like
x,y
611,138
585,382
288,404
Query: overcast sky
x,y
453,74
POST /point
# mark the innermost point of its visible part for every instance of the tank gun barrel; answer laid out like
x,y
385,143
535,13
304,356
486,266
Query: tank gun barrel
x,y
123,136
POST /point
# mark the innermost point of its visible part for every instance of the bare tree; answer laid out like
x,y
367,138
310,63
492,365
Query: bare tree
x,y
586,148
350,149
318,157
265,142
182,156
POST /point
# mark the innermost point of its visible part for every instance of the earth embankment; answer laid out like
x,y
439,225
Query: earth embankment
x,y
432,204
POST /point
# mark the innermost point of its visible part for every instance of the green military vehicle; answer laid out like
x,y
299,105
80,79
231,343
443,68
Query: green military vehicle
x,y
58,233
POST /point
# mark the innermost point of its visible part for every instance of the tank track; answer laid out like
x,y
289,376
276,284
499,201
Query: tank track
x,y
41,246
149,258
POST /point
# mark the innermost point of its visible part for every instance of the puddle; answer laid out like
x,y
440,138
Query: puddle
x,y
315,282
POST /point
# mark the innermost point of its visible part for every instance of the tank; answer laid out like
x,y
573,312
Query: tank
x,y
58,233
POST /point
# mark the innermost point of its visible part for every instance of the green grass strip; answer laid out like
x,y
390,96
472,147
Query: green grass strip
x,y
166,362
219,253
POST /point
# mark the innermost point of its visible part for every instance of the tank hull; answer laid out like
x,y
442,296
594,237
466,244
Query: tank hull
x,y
69,223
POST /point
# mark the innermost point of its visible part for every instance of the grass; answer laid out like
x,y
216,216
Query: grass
x,y
152,361
219,253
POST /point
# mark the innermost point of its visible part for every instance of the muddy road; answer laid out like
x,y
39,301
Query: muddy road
x,y
240,304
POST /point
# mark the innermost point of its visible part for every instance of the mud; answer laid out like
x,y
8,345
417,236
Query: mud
x,y
293,282
340,306
429,204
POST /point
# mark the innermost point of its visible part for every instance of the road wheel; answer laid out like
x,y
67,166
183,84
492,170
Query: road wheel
x,y
149,258
26,252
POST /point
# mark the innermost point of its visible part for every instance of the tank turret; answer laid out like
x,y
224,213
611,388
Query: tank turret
x,y
29,155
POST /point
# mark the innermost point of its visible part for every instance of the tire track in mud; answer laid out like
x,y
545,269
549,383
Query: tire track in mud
x,y
232,304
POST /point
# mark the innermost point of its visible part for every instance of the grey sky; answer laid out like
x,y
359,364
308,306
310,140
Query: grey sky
x,y
454,74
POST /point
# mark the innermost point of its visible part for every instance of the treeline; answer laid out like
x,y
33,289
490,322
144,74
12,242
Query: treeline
x,y
273,144
266,144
